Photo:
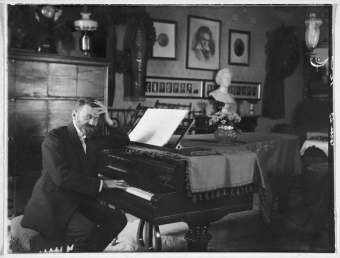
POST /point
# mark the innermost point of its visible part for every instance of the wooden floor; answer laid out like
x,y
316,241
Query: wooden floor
x,y
238,232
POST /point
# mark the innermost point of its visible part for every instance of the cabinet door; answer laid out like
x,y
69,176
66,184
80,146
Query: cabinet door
x,y
27,127
91,81
30,118
11,78
31,79
11,120
62,80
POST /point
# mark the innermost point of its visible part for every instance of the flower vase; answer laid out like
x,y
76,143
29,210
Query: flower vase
x,y
225,134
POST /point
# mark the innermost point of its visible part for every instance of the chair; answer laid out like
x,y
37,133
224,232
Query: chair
x,y
316,169
25,240
314,215
309,116
127,118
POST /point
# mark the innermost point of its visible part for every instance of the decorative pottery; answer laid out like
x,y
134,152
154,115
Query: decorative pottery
x,y
225,134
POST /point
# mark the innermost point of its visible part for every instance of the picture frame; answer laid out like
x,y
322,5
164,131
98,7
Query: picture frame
x,y
238,89
209,86
166,87
166,40
239,47
203,43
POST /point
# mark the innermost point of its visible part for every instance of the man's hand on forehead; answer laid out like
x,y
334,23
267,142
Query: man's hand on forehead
x,y
98,103
97,111
102,109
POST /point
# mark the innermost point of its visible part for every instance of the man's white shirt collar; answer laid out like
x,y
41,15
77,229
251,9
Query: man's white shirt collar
x,y
81,137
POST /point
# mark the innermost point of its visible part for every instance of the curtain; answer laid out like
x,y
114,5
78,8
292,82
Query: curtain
x,y
282,51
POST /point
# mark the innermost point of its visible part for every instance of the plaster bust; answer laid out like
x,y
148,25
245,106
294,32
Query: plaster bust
x,y
223,79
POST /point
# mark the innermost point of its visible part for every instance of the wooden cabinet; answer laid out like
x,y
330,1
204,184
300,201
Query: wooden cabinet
x,y
54,76
42,91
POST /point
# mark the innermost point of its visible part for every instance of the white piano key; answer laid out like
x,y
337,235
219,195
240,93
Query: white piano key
x,y
140,193
118,169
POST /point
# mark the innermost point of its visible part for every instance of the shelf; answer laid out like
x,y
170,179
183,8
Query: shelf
x,y
17,54
49,98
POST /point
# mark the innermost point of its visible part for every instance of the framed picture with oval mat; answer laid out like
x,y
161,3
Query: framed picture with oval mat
x,y
239,47
165,41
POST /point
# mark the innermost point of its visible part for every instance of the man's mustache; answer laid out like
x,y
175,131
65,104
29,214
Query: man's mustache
x,y
90,126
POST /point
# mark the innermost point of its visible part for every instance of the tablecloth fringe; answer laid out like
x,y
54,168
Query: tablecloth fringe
x,y
222,192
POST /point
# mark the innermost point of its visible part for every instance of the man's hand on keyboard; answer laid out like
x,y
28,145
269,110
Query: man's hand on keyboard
x,y
111,183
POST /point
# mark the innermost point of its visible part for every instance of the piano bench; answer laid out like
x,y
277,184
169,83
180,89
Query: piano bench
x,y
25,240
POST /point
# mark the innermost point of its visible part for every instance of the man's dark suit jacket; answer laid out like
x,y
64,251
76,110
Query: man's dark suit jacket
x,y
68,176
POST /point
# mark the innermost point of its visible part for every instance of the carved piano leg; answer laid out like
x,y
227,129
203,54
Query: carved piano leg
x,y
151,231
158,239
149,236
140,231
197,238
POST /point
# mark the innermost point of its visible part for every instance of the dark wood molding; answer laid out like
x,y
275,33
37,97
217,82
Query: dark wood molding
x,y
19,54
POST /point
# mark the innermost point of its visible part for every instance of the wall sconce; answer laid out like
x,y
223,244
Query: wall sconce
x,y
86,26
318,57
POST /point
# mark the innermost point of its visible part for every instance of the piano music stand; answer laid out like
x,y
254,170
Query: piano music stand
x,y
183,131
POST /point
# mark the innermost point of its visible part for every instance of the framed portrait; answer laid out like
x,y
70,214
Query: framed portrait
x,y
238,89
165,44
173,87
239,47
203,43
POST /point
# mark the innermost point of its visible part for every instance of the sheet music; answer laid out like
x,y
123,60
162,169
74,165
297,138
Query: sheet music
x,y
157,126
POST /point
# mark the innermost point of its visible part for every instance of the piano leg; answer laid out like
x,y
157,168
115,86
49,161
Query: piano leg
x,y
149,236
140,231
151,231
197,238
158,239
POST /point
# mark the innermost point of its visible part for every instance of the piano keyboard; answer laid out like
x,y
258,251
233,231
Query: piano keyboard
x,y
140,193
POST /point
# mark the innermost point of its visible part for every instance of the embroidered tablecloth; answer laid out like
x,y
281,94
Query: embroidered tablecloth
x,y
223,169
249,161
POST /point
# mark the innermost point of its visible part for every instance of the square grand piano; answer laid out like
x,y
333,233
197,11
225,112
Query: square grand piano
x,y
166,184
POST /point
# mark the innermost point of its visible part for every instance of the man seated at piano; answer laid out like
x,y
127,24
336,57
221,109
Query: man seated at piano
x,y
63,204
